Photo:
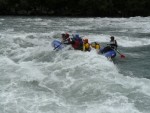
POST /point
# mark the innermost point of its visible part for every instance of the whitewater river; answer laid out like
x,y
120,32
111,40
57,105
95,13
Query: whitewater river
x,y
36,79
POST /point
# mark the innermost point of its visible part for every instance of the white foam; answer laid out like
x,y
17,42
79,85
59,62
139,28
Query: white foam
x,y
79,27
133,42
29,72
66,81
41,23
2,19
109,108
9,30
122,41
31,19
109,75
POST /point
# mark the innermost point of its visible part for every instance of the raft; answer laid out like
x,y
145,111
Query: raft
x,y
109,53
57,45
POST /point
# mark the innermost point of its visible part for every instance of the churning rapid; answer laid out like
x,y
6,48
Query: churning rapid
x,y
34,78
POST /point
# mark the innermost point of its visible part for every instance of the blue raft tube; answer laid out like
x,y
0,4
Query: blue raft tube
x,y
108,53
57,45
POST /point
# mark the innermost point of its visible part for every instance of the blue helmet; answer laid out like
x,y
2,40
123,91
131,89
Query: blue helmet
x,y
77,35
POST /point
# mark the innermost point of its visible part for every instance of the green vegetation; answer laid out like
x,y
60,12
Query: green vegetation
x,y
102,8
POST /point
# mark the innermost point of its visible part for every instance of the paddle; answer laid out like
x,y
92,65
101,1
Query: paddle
x,y
121,55
61,43
57,46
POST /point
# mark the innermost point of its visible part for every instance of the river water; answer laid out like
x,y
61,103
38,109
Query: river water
x,y
36,79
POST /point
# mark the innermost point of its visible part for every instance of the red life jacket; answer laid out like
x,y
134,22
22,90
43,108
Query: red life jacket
x,y
76,44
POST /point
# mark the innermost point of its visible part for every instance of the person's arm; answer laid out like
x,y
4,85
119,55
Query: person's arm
x,y
71,42
83,47
116,43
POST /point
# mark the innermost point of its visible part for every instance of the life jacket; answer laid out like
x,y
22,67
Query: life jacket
x,y
113,44
95,45
78,42
76,45
66,38
67,35
86,45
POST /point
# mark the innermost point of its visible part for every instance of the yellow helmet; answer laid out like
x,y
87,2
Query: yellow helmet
x,y
85,40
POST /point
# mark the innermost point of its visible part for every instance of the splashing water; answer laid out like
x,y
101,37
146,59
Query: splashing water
x,y
36,79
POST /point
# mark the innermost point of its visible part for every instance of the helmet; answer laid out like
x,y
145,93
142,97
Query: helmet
x,y
112,38
63,34
77,35
86,40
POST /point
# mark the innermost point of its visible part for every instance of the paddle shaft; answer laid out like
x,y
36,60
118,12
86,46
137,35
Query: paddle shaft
x,y
61,43
118,51
121,55
57,46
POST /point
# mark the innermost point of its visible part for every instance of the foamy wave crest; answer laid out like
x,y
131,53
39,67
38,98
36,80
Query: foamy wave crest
x,y
122,41
133,42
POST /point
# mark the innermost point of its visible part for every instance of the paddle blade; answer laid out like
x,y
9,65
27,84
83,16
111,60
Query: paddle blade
x,y
122,56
